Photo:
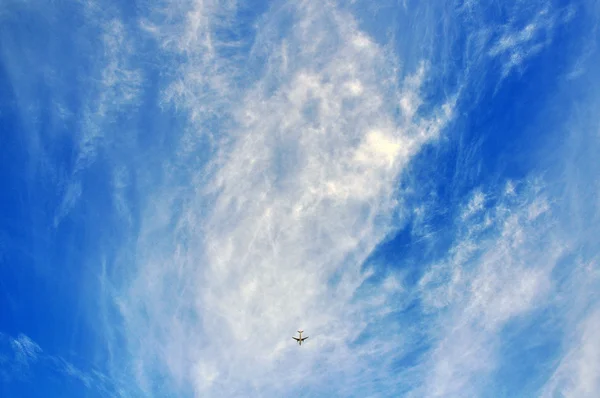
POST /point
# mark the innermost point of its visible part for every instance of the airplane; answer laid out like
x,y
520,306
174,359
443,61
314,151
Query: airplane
x,y
301,339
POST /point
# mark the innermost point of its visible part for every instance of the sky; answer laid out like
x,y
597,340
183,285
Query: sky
x,y
184,184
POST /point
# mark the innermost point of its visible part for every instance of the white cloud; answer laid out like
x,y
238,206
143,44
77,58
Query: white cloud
x,y
297,197
518,43
20,356
578,373
529,253
25,352
17,356
111,90
202,82
524,30
272,234
578,294
499,270
73,101
475,206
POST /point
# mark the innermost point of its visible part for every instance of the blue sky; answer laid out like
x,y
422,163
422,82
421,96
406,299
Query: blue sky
x,y
184,184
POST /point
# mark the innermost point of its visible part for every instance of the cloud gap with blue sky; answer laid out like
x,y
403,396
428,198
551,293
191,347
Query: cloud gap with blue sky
x,y
185,184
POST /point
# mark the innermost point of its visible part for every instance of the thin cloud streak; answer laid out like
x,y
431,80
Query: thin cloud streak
x,y
21,358
577,374
113,90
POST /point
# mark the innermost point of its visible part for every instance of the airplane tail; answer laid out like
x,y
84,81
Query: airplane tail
x,y
300,331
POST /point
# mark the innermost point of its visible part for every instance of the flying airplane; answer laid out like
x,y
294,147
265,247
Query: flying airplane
x,y
300,339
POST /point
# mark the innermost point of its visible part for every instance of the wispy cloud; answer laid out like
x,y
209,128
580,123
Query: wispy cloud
x,y
499,270
299,187
260,213
75,101
520,41
113,89
21,357
578,285
295,200
577,373
522,31
25,352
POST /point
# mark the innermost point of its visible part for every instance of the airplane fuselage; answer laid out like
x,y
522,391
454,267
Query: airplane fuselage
x,y
300,339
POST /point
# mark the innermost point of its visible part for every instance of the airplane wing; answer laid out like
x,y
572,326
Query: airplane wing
x,y
296,338
304,338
